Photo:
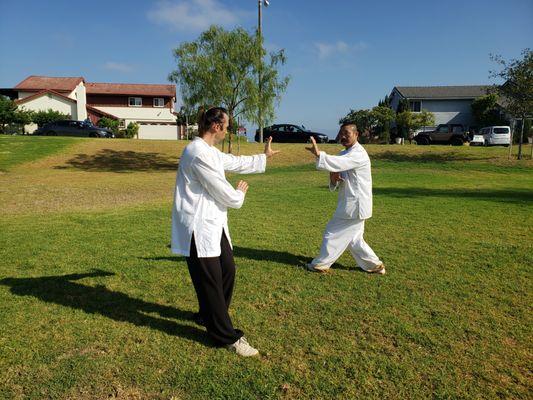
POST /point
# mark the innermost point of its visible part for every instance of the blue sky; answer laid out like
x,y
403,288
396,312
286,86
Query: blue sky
x,y
341,54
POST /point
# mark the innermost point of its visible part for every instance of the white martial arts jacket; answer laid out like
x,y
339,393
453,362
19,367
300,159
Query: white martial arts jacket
x,y
203,195
355,193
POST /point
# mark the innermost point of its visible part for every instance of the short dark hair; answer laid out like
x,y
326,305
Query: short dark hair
x,y
213,115
350,124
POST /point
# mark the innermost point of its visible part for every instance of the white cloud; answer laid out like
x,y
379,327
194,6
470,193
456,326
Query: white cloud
x,y
326,50
115,66
193,15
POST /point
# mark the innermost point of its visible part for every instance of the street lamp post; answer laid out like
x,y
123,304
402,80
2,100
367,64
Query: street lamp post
x,y
259,32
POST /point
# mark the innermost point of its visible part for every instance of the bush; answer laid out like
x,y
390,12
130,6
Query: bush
x,y
45,117
132,130
111,124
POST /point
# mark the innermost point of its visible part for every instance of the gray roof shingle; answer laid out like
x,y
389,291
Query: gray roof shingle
x,y
443,92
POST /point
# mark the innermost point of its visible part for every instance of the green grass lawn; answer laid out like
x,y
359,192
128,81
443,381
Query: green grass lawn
x,y
17,150
93,305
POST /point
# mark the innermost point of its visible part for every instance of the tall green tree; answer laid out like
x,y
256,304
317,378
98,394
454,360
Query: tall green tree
x,y
422,119
382,118
363,119
408,121
10,113
403,105
486,111
221,68
517,89
404,123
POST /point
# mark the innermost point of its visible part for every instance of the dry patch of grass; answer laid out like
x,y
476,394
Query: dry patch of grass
x,y
104,174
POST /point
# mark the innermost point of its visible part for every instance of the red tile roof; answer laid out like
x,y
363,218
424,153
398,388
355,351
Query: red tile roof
x,y
131,89
38,83
33,83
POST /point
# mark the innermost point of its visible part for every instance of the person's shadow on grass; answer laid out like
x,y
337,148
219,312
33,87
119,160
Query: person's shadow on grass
x,y
111,304
280,257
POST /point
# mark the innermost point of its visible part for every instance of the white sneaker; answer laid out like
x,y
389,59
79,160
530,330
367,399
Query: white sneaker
x,y
243,348
317,268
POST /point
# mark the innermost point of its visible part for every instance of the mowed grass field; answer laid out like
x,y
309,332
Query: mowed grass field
x,y
94,306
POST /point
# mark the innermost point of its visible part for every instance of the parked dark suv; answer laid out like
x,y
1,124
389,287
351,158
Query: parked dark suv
x,y
73,128
288,133
454,134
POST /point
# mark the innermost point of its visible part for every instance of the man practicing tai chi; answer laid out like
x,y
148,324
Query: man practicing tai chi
x,y
200,224
349,170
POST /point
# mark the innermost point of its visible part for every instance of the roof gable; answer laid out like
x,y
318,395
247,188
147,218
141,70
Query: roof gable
x,y
42,93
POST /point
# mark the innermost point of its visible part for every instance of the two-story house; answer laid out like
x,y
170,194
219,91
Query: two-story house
x,y
449,104
151,106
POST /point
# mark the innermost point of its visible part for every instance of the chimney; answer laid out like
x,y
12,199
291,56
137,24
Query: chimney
x,y
81,102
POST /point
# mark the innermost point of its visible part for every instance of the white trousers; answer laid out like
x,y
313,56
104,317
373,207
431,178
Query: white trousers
x,y
346,233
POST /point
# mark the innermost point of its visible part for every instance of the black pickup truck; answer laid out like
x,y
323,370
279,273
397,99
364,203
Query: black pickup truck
x,y
454,134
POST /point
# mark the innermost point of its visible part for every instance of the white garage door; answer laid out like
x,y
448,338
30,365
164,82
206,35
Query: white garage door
x,y
158,132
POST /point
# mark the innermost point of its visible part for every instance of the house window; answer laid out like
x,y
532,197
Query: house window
x,y
135,102
122,123
414,106
159,102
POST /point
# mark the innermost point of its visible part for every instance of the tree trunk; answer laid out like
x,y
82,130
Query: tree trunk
x,y
531,144
230,131
520,140
513,126
229,143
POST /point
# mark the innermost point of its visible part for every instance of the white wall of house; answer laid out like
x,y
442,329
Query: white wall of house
x,y
155,114
159,132
23,95
49,101
450,111
456,111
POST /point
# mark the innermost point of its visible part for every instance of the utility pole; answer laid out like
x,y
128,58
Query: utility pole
x,y
259,33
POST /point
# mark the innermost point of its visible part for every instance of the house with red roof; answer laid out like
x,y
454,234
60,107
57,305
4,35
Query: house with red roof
x,y
149,105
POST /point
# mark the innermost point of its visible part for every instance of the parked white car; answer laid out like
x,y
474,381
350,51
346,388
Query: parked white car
x,y
496,135
477,140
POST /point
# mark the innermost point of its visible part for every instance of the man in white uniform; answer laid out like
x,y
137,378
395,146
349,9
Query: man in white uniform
x,y
200,224
349,170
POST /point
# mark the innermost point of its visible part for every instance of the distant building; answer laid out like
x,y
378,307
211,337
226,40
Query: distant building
x,y
449,104
151,106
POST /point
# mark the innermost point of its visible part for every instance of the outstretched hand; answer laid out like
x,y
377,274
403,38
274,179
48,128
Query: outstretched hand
x,y
268,149
314,148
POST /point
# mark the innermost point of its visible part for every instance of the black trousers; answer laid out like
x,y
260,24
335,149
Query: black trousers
x,y
213,279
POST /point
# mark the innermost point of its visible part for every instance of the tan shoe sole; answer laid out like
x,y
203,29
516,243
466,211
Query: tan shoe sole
x,y
312,268
380,269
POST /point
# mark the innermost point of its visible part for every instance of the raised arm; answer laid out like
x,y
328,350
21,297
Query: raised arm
x,y
345,162
216,185
244,164
248,164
